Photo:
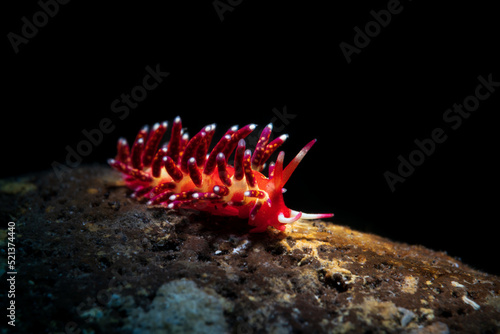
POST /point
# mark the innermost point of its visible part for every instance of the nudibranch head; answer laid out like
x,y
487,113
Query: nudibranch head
x,y
182,174
273,211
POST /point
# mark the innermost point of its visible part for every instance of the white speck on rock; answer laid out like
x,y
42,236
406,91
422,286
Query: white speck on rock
x,y
471,302
241,247
457,285
407,317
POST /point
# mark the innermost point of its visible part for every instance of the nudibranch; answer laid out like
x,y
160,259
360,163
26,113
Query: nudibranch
x,y
184,174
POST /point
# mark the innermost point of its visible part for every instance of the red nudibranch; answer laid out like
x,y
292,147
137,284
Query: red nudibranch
x,y
183,174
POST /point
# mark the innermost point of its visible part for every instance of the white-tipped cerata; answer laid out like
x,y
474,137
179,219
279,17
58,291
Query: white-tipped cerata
x,y
283,220
284,137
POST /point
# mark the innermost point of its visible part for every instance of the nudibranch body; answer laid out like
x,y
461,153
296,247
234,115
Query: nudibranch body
x,y
183,174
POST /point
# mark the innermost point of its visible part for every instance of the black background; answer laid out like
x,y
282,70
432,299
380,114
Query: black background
x,y
265,56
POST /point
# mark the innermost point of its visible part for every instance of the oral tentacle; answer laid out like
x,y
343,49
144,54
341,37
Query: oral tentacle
x,y
312,215
283,220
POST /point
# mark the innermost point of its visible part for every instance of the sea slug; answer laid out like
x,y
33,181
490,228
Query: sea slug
x,y
184,174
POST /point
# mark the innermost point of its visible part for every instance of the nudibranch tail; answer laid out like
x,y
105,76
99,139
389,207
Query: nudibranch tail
x,y
182,173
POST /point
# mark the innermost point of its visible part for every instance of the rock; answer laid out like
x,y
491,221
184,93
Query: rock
x,y
181,307
91,259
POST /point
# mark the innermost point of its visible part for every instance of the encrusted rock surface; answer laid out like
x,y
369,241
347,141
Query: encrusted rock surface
x,y
91,259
